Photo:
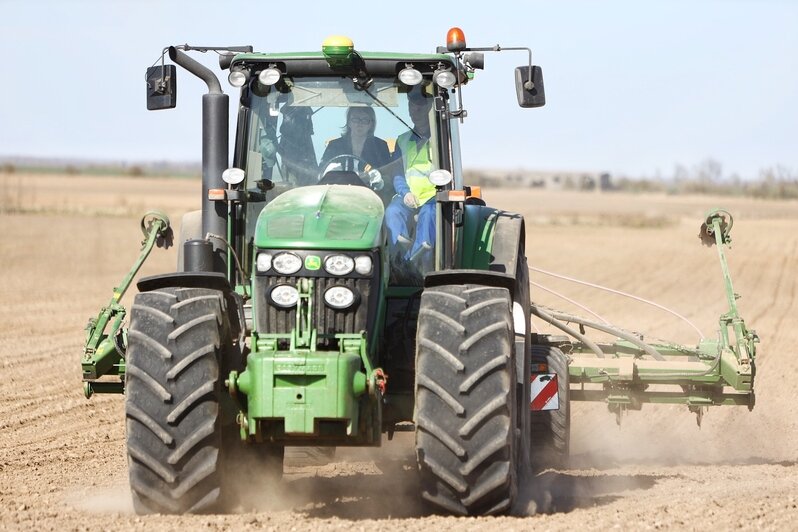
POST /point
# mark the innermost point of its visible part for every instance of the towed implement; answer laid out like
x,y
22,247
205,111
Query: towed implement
x,y
298,317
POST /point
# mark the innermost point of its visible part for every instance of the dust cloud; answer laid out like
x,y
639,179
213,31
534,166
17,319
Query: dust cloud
x,y
115,499
359,483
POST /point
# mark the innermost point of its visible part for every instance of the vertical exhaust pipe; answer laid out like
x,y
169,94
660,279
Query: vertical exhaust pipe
x,y
215,149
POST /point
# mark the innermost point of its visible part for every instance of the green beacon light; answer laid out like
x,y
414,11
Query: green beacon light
x,y
338,51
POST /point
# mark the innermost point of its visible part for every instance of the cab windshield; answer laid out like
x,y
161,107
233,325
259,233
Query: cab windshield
x,y
327,130
300,131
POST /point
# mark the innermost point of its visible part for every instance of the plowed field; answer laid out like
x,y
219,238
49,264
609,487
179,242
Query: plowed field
x,y
67,241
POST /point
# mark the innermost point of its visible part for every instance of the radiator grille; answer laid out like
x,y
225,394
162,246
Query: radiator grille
x,y
271,319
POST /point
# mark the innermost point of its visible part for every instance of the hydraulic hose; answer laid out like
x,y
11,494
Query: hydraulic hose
x,y
611,330
618,292
567,330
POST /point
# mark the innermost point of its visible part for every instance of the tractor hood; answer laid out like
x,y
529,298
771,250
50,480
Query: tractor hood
x,y
322,217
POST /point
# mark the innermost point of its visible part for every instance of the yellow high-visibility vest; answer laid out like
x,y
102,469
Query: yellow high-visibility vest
x,y
418,165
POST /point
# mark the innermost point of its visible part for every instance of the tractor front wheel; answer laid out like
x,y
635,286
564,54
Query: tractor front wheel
x,y
466,411
173,388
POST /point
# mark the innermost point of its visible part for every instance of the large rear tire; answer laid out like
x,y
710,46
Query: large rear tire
x,y
175,339
466,410
551,429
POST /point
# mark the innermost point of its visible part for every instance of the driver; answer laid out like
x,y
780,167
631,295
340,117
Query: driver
x,y
358,139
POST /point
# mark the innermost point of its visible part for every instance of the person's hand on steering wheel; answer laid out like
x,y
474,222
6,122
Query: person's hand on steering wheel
x,y
371,177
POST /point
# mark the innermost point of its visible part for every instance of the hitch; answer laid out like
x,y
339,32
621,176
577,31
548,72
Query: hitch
x,y
630,371
106,339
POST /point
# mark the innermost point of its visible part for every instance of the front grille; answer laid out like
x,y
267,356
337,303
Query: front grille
x,y
271,319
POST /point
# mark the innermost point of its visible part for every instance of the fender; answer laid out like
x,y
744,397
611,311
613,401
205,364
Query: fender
x,y
211,280
483,277
492,240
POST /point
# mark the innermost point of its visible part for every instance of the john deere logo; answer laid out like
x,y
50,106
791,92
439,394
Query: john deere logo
x,y
312,262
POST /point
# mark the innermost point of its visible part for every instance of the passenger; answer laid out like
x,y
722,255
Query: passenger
x,y
415,194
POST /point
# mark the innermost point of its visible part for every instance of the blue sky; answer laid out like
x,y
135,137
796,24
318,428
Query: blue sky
x,y
633,87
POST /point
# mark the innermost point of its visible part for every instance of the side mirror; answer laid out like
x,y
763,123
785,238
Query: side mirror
x,y
529,89
161,87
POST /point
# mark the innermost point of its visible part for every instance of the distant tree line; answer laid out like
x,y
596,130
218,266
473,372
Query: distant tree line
x,y
52,166
707,177
774,182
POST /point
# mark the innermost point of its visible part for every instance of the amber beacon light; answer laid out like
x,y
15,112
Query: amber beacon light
x,y
455,40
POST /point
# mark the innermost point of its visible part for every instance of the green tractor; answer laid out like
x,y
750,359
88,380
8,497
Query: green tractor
x,y
299,316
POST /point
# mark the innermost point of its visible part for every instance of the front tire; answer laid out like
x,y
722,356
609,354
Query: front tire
x,y
466,410
176,338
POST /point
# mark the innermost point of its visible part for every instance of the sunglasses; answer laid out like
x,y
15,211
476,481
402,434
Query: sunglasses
x,y
357,120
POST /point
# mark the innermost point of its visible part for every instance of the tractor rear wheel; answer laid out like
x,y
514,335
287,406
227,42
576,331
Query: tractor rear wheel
x,y
551,429
173,387
466,411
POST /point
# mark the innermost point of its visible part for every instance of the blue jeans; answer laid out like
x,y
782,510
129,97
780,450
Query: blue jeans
x,y
399,220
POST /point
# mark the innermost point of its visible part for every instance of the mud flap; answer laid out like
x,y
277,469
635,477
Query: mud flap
x,y
544,395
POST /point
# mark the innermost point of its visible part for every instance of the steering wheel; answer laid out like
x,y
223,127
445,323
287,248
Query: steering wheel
x,y
371,178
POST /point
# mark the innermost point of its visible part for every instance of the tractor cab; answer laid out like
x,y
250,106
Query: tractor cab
x,y
339,117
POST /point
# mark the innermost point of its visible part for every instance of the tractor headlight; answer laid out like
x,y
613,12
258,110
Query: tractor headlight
x,y
264,262
339,264
339,297
440,178
363,265
284,295
286,263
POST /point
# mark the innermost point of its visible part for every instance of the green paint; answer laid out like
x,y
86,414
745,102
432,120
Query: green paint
x,y
302,386
322,217
479,226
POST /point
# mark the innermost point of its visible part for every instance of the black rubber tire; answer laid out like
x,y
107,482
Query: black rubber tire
x,y
173,386
551,429
466,410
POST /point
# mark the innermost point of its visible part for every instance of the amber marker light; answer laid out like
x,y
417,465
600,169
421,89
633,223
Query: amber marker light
x,y
216,194
455,40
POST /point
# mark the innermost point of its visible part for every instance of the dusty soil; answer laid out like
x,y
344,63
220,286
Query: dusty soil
x,y
66,241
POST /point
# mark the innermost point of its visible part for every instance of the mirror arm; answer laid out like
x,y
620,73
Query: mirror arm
x,y
498,48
